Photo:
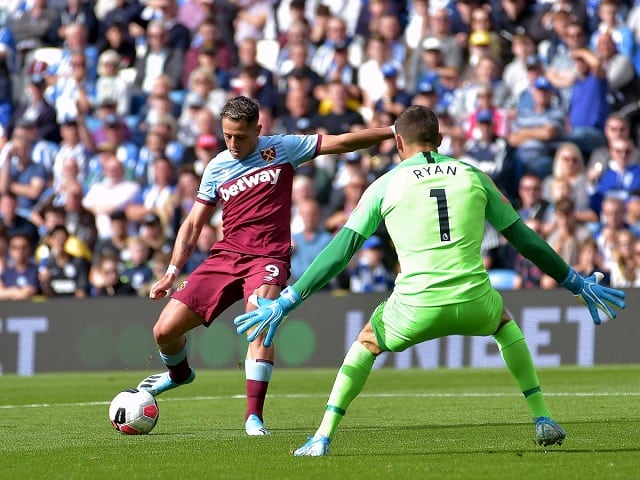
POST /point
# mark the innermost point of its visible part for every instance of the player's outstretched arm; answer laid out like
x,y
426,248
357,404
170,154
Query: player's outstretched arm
x,y
594,295
352,141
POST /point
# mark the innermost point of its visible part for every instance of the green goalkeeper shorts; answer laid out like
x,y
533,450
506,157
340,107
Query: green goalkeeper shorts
x,y
398,326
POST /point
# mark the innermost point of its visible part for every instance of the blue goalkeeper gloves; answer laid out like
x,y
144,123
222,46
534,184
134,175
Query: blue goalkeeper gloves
x,y
593,294
269,315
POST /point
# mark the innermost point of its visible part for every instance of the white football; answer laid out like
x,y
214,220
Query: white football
x,y
134,412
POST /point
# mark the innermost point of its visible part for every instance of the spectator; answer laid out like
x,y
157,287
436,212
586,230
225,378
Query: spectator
x,y
116,37
335,33
370,76
616,126
161,58
109,195
19,280
340,69
107,281
611,23
561,67
347,197
61,274
80,222
75,94
202,81
36,109
515,75
76,42
20,175
590,260
76,145
36,27
252,19
187,129
111,85
207,146
588,106
612,220
489,152
340,118
512,17
534,131
299,114
369,273
154,198
622,77
307,243
152,234
417,25
567,234
568,165
625,272
207,43
137,272
13,222
394,100
208,236
632,210
485,78
4,246
620,177
118,243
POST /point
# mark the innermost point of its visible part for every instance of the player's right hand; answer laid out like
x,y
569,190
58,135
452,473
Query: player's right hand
x,y
162,287
594,295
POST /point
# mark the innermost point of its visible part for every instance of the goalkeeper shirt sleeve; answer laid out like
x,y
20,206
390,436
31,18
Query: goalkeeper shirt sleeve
x,y
533,247
332,260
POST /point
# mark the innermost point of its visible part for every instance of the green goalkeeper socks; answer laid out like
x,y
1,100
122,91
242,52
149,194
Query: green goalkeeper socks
x,y
517,357
351,378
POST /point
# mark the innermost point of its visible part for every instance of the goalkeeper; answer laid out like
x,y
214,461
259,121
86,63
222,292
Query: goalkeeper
x,y
434,208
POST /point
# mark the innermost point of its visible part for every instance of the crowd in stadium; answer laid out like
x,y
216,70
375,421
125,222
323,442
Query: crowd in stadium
x,y
109,115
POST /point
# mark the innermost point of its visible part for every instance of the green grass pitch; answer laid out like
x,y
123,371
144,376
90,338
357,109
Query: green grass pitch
x,y
407,424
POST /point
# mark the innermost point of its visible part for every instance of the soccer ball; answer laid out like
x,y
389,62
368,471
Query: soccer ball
x,y
134,412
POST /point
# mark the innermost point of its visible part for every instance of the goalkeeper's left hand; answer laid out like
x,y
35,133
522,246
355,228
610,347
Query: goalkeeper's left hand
x,y
269,315
594,295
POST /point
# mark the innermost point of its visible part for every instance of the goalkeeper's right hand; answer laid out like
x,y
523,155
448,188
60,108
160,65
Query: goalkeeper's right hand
x,y
594,295
269,315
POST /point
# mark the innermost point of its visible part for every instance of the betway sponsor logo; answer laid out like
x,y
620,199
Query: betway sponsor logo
x,y
248,181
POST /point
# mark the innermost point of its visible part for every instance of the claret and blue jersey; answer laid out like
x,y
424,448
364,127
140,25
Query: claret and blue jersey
x,y
255,193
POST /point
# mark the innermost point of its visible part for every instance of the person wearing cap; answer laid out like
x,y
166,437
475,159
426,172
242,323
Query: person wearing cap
x,y
489,152
251,180
369,273
36,104
207,146
110,84
395,99
443,287
438,49
534,130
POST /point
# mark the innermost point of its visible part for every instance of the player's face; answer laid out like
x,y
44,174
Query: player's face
x,y
240,137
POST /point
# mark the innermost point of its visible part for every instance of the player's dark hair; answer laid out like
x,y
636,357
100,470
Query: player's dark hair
x,y
418,125
241,108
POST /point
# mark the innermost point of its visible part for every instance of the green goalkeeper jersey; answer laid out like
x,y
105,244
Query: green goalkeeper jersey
x,y
434,208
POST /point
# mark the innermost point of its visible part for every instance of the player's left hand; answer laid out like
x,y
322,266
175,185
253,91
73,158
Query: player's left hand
x,y
269,315
594,295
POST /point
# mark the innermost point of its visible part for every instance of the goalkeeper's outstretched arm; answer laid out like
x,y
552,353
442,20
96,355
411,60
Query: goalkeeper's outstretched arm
x,y
332,260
